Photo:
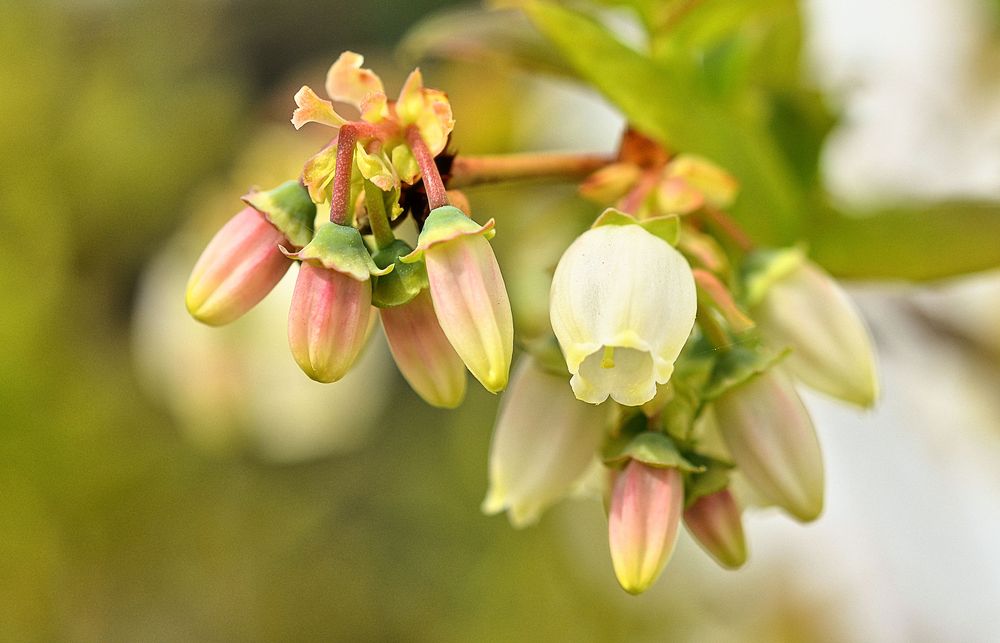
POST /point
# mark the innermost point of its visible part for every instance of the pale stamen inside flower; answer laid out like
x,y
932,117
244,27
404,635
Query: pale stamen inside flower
x,y
624,374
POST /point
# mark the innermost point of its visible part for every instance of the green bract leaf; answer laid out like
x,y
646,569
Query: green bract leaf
x,y
341,248
737,365
288,208
648,447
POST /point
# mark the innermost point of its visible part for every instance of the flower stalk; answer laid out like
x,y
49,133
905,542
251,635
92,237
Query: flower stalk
x,y
340,203
378,220
477,170
437,196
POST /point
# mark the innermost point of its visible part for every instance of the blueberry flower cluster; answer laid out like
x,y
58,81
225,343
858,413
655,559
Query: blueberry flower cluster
x,y
443,304
676,344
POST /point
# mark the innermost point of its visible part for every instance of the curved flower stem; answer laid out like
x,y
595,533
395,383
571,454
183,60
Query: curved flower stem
x,y
437,196
377,218
476,170
340,201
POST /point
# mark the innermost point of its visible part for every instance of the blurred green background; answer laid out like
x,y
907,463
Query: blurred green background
x,y
164,482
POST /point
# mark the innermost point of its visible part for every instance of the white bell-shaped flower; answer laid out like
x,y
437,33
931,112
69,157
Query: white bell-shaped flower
x,y
622,306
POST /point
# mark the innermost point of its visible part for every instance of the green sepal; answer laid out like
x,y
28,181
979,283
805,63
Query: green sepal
x,y
713,478
341,248
737,365
612,216
404,282
649,447
446,224
666,227
691,375
288,208
763,268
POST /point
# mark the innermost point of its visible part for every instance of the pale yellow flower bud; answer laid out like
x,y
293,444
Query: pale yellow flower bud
x,y
543,443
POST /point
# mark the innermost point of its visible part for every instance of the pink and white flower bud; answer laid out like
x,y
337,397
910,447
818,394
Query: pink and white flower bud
x,y
328,321
771,438
715,522
544,441
468,292
645,512
240,265
423,354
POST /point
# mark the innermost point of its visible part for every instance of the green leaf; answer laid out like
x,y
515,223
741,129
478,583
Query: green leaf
x,y
918,243
648,447
675,107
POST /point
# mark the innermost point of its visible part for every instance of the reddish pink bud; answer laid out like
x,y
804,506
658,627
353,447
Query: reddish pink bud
x,y
645,512
715,522
241,264
424,355
328,321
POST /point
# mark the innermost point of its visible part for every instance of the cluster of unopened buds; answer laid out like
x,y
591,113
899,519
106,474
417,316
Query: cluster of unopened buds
x,y
668,382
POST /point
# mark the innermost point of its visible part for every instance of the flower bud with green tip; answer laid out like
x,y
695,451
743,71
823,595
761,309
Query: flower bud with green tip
x,y
771,438
242,262
643,519
331,304
622,306
715,522
468,292
544,441
796,304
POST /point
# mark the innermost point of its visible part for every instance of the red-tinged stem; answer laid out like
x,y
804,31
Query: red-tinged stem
x,y
437,196
476,170
340,202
